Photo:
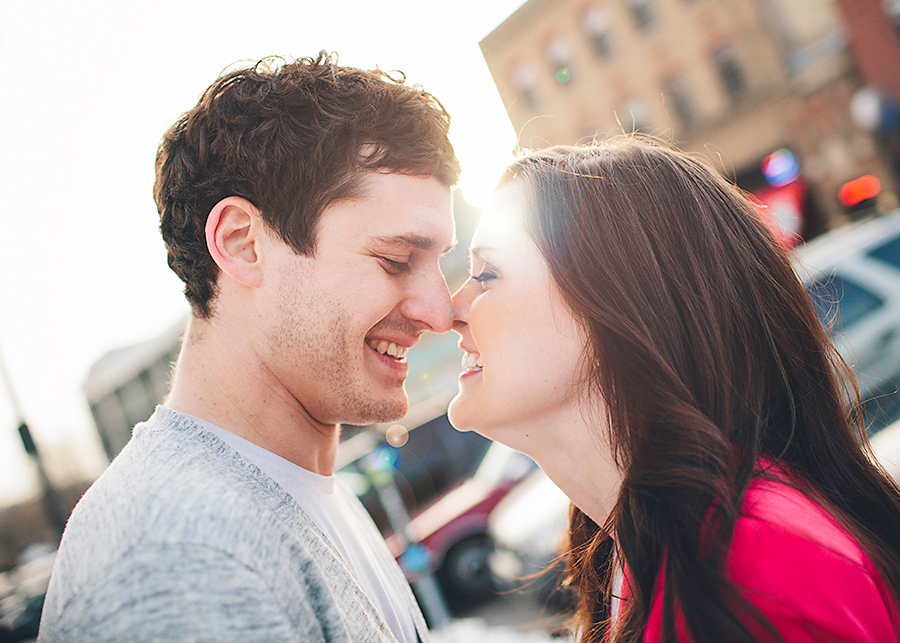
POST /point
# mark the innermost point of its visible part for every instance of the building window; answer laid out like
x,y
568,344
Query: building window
x,y
678,102
634,116
597,28
112,424
525,81
136,400
159,375
892,9
730,72
642,12
888,253
559,55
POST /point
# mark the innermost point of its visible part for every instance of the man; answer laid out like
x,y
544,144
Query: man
x,y
305,206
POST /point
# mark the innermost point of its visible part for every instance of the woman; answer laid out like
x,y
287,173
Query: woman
x,y
632,325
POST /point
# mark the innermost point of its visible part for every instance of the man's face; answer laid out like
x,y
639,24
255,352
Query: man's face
x,y
338,323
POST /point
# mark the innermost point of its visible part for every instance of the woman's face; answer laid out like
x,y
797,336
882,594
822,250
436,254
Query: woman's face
x,y
522,369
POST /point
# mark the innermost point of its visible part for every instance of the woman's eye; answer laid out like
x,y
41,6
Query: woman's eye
x,y
483,276
394,266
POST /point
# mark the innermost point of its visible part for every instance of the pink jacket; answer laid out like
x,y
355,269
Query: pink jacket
x,y
804,571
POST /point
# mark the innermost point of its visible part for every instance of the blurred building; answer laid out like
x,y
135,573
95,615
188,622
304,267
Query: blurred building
x,y
735,80
873,28
125,385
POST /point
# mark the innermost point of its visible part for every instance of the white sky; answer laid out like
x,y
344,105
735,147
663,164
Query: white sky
x,y
90,88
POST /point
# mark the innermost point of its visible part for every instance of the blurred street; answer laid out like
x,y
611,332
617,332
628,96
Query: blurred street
x,y
516,617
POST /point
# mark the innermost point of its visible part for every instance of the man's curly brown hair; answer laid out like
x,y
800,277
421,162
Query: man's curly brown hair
x,y
291,138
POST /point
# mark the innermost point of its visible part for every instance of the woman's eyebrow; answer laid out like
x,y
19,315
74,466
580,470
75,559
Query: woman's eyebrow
x,y
477,251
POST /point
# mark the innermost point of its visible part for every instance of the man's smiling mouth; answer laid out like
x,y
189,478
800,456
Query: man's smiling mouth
x,y
387,348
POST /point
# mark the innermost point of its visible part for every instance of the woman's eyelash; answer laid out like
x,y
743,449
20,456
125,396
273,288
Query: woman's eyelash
x,y
483,276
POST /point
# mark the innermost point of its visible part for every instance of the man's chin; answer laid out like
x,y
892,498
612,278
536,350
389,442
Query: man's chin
x,y
383,410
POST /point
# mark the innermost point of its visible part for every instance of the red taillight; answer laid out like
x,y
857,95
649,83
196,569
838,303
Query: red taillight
x,y
858,190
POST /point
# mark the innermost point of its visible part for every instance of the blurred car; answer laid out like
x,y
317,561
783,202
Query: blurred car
x,y
22,592
453,529
529,528
852,274
886,447
447,517
434,458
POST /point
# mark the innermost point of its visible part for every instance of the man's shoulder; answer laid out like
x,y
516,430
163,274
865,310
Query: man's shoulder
x,y
177,506
172,471
174,484
203,529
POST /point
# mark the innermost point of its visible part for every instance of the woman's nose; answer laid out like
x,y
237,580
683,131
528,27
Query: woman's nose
x,y
461,300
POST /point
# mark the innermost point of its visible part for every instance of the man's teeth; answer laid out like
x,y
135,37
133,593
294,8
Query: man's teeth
x,y
472,362
387,348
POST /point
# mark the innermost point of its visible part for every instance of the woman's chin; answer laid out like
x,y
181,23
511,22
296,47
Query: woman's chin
x,y
464,414
457,413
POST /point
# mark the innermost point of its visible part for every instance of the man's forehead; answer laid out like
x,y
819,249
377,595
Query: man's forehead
x,y
395,211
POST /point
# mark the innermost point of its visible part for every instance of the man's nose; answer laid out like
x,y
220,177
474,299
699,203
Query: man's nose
x,y
428,303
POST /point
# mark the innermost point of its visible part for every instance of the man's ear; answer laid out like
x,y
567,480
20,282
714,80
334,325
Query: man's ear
x,y
233,230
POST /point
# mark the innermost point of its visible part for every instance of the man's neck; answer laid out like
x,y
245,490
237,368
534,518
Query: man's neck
x,y
217,380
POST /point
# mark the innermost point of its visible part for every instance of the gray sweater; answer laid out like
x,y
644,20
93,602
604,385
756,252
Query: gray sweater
x,y
182,539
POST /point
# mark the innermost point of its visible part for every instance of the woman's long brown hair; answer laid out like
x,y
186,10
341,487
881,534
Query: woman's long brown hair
x,y
708,355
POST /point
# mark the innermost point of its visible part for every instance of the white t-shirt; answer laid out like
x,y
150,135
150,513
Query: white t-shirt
x,y
329,503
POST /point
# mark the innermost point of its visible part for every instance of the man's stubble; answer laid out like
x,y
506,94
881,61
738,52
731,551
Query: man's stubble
x,y
316,343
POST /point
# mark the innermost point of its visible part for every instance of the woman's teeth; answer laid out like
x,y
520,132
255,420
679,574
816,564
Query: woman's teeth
x,y
472,362
387,348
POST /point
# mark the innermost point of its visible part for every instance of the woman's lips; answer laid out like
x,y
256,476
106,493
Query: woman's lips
x,y
471,362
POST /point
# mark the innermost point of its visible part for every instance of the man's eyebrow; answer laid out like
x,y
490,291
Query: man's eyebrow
x,y
411,241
